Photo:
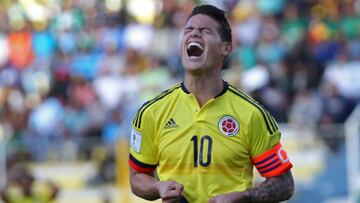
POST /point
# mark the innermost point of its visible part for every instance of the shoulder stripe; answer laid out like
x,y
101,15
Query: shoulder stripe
x,y
269,124
274,122
140,112
268,115
148,102
135,118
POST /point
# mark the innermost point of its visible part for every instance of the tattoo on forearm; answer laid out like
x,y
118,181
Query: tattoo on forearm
x,y
275,189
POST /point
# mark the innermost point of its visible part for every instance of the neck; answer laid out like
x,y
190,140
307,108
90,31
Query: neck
x,y
203,87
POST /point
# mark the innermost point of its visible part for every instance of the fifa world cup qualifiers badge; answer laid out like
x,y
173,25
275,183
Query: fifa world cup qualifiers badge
x,y
228,126
135,140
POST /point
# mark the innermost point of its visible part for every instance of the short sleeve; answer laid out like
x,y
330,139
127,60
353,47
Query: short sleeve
x,y
143,154
267,153
264,133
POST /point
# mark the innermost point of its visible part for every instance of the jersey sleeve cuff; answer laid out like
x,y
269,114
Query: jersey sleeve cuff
x,y
140,166
273,162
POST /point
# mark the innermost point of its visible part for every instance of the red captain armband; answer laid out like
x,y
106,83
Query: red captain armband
x,y
139,166
273,162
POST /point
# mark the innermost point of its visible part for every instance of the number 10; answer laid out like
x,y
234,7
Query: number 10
x,y
199,158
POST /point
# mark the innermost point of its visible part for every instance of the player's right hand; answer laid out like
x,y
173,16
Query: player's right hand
x,y
170,191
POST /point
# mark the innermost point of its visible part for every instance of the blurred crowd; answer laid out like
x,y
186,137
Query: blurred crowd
x,y
73,72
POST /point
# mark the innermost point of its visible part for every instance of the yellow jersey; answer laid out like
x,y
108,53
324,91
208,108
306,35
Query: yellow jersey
x,y
211,149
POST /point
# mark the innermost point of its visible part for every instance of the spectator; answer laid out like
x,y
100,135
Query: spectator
x,y
305,110
24,187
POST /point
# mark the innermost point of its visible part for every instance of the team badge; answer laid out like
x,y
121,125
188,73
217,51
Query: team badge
x,y
228,126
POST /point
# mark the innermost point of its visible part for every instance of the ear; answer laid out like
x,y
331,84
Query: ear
x,y
226,49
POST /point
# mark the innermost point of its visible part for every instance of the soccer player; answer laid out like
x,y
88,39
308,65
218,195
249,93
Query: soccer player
x,y
199,140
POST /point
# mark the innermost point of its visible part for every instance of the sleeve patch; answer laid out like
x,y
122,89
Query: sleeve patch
x,y
135,140
273,162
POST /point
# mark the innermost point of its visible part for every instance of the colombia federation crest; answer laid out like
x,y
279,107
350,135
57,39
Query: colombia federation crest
x,y
228,126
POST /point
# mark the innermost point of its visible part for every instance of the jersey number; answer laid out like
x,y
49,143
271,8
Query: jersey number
x,y
199,158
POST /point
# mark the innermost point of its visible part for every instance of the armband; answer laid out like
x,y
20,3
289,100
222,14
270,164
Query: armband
x,y
273,162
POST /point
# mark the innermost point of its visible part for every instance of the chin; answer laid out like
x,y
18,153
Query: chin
x,y
193,64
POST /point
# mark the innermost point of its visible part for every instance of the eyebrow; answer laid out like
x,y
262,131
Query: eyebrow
x,y
200,28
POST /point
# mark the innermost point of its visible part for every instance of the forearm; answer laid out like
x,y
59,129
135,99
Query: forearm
x,y
275,189
144,185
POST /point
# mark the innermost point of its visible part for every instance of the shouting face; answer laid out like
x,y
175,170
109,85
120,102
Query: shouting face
x,y
202,48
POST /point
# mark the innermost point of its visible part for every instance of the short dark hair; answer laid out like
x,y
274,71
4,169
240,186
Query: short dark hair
x,y
219,16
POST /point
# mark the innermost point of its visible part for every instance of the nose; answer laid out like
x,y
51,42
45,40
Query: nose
x,y
195,32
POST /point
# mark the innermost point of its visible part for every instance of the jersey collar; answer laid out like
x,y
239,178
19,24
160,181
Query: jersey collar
x,y
226,87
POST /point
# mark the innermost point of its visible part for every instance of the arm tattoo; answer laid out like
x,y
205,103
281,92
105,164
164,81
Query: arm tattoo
x,y
274,189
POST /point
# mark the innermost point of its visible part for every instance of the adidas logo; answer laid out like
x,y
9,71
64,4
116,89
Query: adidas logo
x,y
171,124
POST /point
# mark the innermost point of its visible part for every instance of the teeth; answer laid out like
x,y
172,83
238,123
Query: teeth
x,y
195,44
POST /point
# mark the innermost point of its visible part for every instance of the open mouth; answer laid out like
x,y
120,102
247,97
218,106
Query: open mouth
x,y
194,49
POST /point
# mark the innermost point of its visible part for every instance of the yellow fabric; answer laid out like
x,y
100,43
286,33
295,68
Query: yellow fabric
x,y
171,124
